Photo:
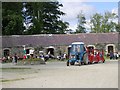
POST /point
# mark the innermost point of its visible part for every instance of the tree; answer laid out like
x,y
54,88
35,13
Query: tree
x,y
45,18
96,23
103,23
81,21
38,17
12,22
118,27
107,22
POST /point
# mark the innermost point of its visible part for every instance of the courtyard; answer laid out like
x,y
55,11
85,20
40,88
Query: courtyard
x,y
58,75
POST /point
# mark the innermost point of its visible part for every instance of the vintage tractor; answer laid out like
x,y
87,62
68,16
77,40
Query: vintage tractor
x,y
78,54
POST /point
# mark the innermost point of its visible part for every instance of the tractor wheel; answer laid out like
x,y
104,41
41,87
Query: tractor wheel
x,y
67,63
85,59
90,62
72,63
104,61
96,62
79,63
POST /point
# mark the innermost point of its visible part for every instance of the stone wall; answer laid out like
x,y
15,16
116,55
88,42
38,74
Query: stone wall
x,y
58,49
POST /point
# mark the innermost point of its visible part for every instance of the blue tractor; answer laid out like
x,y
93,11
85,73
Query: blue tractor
x,y
78,54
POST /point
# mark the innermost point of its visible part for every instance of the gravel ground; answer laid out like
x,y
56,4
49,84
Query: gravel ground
x,y
58,75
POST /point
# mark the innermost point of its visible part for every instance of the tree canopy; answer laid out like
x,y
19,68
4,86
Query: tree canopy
x,y
20,18
103,23
37,17
99,23
12,20
81,22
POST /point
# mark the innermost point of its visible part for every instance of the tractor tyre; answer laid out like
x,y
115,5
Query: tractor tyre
x,y
90,62
79,63
72,63
85,59
104,61
96,62
67,63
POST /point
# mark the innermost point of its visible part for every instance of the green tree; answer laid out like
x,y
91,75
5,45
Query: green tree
x,y
107,22
12,20
118,27
81,21
103,23
96,23
39,18
45,18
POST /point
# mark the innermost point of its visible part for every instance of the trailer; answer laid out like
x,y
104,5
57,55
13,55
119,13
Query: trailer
x,y
95,55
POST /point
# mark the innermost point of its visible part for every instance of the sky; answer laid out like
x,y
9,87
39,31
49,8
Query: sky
x,y
73,7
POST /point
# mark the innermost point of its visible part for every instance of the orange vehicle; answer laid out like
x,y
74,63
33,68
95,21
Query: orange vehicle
x,y
95,55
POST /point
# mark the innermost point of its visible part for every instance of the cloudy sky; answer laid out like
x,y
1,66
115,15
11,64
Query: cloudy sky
x,y
73,7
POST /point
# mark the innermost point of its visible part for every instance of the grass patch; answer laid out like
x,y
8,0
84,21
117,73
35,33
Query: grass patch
x,y
13,68
6,80
106,58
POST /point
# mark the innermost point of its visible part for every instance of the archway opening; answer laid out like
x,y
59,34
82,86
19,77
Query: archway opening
x,y
6,52
69,51
27,51
110,49
50,51
90,47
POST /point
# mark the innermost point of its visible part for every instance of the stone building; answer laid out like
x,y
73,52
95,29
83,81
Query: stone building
x,y
58,43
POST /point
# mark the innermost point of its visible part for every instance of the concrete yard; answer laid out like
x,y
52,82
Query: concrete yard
x,y
58,75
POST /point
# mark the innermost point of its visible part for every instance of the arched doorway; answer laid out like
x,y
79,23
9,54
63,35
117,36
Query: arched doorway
x,y
27,51
69,47
50,50
6,52
89,47
110,48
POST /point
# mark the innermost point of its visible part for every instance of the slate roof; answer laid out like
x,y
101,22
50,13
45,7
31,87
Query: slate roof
x,y
59,39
